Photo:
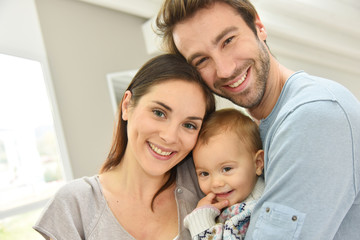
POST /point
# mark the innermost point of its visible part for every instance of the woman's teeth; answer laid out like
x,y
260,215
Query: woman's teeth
x,y
159,151
241,80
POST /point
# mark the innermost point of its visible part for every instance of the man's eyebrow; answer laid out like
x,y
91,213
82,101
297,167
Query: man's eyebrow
x,y
214,42
223,33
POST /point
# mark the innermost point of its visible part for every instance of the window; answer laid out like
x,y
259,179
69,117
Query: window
x,y
30,160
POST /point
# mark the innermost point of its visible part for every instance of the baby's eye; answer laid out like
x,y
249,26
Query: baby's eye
x,y
203,174
159,113
226,169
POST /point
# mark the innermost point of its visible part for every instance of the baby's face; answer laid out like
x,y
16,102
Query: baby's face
x,y
226,167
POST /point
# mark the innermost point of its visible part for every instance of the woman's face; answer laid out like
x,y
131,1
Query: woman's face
x,y
164,125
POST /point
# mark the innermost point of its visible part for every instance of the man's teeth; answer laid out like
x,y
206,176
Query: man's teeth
x,y
158,150
241,80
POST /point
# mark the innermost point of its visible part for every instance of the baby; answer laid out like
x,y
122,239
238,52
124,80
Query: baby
x,y
229,163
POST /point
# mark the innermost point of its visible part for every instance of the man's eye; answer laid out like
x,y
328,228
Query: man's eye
x,y
227,41
198,63
159,113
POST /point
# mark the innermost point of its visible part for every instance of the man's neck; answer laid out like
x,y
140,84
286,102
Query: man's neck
x,y
278,75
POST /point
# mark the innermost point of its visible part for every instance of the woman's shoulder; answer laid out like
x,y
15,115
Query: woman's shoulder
x,y
81,187
79,195
78,205
79,190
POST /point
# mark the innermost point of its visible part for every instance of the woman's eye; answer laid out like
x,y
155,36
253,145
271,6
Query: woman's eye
x,y
159,113
190,126
227,41
226,169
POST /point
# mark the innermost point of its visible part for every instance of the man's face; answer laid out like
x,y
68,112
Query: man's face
x,y
232,60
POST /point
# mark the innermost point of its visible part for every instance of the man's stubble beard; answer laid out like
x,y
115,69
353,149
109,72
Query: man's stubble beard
x,y
251,98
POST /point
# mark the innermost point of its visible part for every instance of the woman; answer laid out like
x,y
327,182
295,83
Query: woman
x,y
147,185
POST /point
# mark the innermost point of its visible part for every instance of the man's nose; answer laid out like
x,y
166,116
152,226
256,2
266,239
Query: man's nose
x,y
225,67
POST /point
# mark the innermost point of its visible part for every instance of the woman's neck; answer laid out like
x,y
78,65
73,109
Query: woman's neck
x,y
129,179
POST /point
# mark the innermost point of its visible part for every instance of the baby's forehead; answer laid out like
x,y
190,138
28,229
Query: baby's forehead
x,y
218,137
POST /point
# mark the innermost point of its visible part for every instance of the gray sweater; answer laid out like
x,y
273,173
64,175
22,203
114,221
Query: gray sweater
x,y
80,211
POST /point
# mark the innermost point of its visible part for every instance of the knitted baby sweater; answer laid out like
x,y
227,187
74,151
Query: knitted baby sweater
x,y
208,223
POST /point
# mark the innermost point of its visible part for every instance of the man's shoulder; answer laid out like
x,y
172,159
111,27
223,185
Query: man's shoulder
x,y
308,88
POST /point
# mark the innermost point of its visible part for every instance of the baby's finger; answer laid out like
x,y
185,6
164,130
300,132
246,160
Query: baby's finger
x,y
222,204
207,200
210,196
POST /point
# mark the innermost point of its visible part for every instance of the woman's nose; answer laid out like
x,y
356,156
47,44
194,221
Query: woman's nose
x,y
169,134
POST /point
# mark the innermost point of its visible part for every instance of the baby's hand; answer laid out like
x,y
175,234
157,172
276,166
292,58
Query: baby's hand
x,y
210,200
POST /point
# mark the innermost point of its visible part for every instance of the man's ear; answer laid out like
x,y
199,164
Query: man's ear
x,y
260,29
125,105
259,162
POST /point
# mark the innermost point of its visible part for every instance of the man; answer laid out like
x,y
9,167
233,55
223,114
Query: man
x,y
310,127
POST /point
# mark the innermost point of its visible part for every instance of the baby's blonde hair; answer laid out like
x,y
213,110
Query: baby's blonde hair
x,y
231,120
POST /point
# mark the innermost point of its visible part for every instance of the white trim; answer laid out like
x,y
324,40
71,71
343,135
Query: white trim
x,y
118,82
65,160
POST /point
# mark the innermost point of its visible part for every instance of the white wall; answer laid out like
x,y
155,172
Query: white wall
x,y
321,37
85,42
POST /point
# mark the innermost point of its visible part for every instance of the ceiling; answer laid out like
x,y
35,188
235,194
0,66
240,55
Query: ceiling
x,y
149,8
140,8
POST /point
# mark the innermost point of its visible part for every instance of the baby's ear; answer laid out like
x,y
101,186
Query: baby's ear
x,y
259,162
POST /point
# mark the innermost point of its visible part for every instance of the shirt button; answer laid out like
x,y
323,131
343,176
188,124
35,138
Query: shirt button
x,y
179,190
294,218
267,209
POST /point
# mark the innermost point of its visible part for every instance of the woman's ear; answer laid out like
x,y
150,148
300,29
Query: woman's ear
x,y
125,105
259,162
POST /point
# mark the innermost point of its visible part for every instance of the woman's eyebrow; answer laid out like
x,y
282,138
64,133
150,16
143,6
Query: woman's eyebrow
x,y
164,105
195,118
170,110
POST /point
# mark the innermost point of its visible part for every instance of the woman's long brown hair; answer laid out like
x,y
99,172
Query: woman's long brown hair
x,y
157,70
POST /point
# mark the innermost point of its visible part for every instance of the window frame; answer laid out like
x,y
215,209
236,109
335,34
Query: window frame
x,y
63,152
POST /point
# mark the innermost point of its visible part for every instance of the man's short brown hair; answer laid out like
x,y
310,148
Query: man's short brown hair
x,y
173,12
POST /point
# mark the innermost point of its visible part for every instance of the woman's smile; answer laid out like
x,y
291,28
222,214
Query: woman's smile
x,y
160,152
